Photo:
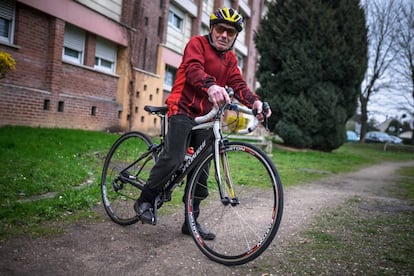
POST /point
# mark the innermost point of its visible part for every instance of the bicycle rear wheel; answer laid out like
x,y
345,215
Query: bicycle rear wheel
x,y
244,212
125,171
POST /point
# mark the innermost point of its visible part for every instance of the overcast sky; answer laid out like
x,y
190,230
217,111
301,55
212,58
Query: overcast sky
x,y
388,103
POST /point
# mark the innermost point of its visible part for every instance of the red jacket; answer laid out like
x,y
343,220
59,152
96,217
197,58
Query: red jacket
x,y
201,67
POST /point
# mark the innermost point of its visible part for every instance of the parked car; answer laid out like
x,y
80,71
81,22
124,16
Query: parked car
x,y
377,137
351,136
395,139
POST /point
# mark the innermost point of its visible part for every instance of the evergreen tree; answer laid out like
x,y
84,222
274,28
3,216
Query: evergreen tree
x,y
312,61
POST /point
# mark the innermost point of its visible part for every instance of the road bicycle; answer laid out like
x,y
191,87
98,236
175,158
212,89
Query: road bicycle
x,y
245,202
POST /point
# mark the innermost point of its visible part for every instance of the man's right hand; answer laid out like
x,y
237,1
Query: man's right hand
x,y
218,95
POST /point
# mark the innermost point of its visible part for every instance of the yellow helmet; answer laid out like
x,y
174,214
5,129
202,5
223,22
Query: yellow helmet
x,y
227,16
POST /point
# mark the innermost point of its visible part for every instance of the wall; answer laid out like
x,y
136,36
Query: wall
x,y
110,8
30,95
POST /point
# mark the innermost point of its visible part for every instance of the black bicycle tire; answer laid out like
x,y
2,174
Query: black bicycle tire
x,y
269,236
104,185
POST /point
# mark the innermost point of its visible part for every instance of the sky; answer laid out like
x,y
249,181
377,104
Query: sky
x,y
383,106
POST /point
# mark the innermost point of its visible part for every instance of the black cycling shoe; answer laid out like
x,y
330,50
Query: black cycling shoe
x,y
204,233
144,212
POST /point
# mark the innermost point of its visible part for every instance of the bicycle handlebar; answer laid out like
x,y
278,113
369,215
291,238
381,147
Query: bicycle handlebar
x,y
235,107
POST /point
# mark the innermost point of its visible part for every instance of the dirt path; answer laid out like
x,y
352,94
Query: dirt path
x,y
108,249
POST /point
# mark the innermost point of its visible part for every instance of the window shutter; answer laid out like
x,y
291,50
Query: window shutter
x,y
105,49
7,9
74,38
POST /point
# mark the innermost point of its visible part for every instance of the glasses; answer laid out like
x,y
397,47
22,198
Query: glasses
x,y
221,29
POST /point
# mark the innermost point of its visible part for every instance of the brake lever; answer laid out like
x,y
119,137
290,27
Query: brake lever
x,y
265,108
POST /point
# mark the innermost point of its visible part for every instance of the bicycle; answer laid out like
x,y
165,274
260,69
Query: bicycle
x,y
245,203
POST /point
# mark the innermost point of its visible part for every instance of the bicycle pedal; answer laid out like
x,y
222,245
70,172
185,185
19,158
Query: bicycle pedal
x,y
152,221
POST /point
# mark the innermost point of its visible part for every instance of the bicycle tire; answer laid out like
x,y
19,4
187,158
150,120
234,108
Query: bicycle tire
x,y
118,195
245,230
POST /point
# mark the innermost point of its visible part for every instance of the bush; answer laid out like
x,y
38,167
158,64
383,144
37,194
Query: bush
x,y
7,63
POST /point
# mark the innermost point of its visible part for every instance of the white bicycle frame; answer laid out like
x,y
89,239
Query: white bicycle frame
x,y
214,120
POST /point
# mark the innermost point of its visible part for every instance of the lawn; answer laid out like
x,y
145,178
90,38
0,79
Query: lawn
x,y
64,167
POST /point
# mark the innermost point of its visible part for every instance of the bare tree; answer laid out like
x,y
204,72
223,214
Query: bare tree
x,y
381,17
405,49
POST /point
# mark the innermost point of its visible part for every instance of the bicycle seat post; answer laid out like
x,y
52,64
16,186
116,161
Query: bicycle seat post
x,y
163,125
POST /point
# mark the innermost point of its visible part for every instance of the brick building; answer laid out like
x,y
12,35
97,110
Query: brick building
x,y
93,64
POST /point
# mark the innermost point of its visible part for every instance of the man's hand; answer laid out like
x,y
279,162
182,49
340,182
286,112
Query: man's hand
x,y
258,106
218,95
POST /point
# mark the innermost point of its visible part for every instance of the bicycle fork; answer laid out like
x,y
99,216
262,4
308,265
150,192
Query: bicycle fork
x,y
220,160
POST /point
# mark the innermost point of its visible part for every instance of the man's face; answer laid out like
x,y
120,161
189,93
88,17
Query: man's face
x,y
223,36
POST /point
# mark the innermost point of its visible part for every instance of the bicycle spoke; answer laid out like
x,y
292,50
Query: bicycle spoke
x,y
127,162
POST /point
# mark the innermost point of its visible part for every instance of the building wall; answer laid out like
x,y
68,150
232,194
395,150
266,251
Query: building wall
x,y
109,8
46,91
147,32
147,91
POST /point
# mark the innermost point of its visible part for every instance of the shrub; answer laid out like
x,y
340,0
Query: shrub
x,y
7,63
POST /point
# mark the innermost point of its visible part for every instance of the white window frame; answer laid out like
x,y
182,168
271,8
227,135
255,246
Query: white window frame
x,y
105,55
205,5
169,77
176,19
227,3
73,42
8,17
240,59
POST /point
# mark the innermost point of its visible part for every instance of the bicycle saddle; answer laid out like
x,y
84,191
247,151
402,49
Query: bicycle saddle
x,y
156,109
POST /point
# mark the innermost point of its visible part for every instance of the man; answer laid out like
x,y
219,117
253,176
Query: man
x,y
208,66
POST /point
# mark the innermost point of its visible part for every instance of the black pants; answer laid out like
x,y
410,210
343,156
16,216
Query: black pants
x,y
179,138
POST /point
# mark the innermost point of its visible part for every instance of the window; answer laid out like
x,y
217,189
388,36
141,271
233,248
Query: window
x,y
159,31
105,57
175,20
205,5
7,9
73,44
239,61
227,3
46,104
61,106
169,77
93,111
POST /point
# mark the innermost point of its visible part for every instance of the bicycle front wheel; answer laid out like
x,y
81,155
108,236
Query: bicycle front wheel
x,y
125,171
244,206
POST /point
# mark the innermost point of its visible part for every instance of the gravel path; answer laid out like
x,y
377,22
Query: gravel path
x,y
105,248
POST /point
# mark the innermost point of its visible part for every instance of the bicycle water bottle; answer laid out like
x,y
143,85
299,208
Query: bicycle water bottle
x,y
190,152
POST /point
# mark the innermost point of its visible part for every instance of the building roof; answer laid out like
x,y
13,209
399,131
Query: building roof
x,y
384,125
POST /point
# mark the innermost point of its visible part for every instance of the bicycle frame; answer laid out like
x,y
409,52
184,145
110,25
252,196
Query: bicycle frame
x,y
216,140
211,144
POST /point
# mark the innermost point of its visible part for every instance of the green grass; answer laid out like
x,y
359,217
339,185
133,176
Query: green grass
x,y
297,167
38,161
405,187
